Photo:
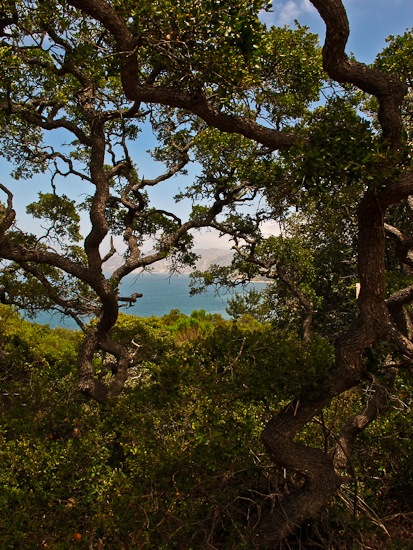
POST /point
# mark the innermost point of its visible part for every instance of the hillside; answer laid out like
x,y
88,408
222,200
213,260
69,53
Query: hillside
x,y
207,256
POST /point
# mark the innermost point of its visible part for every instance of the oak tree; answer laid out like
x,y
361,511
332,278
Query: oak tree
x,y
216,84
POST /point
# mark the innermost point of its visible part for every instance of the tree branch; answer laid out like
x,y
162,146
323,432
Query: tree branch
x,y
378,401
8,217
388,89
195,102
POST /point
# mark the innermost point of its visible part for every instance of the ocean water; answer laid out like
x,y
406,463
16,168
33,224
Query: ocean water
x,y
161,293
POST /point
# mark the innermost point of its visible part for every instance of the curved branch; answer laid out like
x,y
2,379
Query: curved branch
x,y
130,300
321,479
274,269
388,89
55,294
197,103
404,245
374,323
123,362
307,304
19,253
177,167
399,189
402,317
7,220
52,124
400,298
378,401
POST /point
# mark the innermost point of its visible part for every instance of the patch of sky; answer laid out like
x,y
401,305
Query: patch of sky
x,y
371,22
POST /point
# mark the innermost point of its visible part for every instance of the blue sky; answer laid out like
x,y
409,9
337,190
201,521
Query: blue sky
x,y
371,21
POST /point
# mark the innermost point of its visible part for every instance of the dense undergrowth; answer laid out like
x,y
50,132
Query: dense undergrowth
x,y
176,461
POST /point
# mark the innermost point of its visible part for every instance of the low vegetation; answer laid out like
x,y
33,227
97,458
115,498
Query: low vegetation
x,y
176,460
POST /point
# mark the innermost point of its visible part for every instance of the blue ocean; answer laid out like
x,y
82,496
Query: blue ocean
x,y
161,293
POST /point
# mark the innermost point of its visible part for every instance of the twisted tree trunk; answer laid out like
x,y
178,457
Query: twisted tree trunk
x,y
321,480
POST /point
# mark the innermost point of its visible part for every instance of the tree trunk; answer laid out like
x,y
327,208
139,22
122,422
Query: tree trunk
x,y
321,480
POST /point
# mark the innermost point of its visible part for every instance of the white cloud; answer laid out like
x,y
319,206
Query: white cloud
x,y
209,238
287,11
270,228
204,239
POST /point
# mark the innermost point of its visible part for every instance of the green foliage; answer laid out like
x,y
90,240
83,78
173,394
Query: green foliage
x,y
341,151
389,466
251,303
176,460
28,347
149,338
209,30
25,288
60,212
396,59
293,69
174,450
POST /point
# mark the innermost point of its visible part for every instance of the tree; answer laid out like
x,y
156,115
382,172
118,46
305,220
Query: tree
x,y
64,78
103,68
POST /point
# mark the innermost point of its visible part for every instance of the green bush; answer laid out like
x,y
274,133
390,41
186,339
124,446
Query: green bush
x,y
176,460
